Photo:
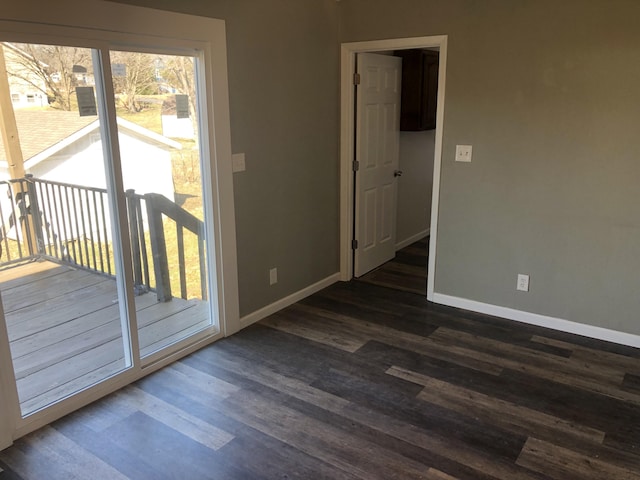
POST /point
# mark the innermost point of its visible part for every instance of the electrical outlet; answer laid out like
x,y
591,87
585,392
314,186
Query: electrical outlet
x,y
523,283
273,276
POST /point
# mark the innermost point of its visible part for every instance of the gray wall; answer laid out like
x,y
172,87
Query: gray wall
x,y
547,93
284,100
414,187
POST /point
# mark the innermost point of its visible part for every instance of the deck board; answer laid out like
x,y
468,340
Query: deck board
x,y
29,272
105,318
38,317
48,288
183,324
65,331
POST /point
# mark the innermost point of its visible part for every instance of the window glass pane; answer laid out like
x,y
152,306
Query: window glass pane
x,y
158,133
57,266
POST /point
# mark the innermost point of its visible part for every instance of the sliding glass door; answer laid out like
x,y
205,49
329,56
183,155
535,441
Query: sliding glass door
x,y
60,255
156,102
117,223
103,248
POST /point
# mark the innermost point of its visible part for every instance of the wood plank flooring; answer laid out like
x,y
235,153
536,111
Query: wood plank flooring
x,y
65,331
361,381
406,272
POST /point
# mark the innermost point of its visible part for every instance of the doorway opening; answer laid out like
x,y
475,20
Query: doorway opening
x,y
349,145
406,272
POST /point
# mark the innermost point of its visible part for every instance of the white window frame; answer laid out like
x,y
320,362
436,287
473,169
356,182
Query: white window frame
x,y
105,25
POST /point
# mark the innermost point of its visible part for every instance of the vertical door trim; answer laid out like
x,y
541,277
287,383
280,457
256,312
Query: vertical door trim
x,y
117,203
348,52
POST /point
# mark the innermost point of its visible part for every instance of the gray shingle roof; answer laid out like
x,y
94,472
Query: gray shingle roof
x,y
41,129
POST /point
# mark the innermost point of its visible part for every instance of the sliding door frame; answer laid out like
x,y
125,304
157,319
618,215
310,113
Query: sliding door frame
x,y
108,26
9,403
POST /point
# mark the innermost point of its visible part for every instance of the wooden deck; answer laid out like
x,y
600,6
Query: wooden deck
x,y
65,331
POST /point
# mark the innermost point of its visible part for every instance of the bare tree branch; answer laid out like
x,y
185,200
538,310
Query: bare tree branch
x,y
53,66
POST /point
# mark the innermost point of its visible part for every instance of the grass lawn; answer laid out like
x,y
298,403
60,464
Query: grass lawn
x,y
150,117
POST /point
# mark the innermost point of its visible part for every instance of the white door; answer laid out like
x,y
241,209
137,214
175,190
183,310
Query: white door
x,y
377,151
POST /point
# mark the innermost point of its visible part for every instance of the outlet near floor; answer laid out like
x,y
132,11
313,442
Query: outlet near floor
x,y
273,276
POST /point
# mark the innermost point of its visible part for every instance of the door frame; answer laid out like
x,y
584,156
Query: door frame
x,y
348,53
9,403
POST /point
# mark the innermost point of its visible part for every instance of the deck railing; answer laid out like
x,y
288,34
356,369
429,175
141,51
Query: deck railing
x,y
71,224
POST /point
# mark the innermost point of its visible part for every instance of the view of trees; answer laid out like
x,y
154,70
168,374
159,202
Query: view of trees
x,y
50,69
179,72
56,71
138,78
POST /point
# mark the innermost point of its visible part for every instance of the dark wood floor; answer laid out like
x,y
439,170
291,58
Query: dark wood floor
x,y
362,382
406,272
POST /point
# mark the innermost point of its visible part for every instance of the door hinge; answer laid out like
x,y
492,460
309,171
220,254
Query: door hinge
x,y
354,244
356,165
356,79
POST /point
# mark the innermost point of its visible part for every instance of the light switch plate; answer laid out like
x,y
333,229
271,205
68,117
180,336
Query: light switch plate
x,y
523,282
238,162
463,153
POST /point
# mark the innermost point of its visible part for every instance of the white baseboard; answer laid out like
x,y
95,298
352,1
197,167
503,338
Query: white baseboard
x,y
289,300
412,239
540,320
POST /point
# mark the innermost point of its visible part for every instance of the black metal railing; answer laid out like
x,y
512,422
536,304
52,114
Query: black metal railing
x,y
14,210
71,224
74,224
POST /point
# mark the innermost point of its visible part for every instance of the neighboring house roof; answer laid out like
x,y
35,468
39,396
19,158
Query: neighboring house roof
x,y
43,133
19,51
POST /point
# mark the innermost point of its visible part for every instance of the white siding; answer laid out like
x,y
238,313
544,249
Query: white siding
x,y
146,168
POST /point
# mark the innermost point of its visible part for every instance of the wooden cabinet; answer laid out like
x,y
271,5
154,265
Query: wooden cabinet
x,y
419,89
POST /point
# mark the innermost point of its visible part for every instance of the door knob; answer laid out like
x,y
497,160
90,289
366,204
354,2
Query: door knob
x,y
397,173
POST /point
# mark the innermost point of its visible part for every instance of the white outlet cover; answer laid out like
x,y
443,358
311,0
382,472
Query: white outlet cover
x,y
238,162
523,283
464,153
